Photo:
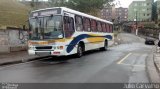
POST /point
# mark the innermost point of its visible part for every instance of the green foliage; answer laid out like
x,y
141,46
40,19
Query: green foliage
x,y
149,25
86,6
58,3
13,13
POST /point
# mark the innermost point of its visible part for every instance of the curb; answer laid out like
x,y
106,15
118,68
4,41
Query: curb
x,y
151,70
21,61
156,65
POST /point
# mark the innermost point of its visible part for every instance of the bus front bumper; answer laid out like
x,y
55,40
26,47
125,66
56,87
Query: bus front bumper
x,y
47,53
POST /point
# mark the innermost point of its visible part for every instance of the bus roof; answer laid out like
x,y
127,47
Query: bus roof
x,y
76,12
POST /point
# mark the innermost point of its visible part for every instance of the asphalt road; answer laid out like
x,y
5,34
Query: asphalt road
x,y
124,63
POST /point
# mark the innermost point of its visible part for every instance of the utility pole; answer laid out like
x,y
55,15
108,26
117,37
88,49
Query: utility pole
x,y
136,24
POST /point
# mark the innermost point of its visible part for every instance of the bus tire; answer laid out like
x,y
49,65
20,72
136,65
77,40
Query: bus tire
x,y
105,46
80,51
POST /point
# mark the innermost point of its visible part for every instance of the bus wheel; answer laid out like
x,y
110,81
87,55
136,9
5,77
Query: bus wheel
x,y
105,46
79,51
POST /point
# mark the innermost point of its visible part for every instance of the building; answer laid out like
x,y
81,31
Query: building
x,y
116,14
107,14
157,10
121,14
140,10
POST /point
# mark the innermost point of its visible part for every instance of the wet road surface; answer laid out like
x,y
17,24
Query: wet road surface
x,y
124,63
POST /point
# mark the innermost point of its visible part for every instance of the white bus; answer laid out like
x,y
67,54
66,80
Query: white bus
x,y
60,31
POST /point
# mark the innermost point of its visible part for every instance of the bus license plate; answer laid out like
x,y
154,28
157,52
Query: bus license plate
x,y
43,53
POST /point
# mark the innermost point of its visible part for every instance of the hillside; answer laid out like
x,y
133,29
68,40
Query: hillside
x,y
13,13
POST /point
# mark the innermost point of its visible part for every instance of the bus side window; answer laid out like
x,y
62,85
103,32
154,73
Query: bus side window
x,y
87,24
107,27
111,27
79,24
93,26
99,27
68,26
103,27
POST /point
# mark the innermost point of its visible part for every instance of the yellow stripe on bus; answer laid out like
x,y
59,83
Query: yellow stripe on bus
x,y
95,39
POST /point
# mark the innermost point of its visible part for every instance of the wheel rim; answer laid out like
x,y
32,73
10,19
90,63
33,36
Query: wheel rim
x,y
105,45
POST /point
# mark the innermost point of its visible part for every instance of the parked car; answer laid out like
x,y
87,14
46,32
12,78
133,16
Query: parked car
x,y
150,41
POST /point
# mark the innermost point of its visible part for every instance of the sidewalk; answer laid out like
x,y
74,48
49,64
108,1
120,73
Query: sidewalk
x,y
156,57
15,57
153,66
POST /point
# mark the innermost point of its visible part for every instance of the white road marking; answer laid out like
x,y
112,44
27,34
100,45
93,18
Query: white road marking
x,y
124,58
133,65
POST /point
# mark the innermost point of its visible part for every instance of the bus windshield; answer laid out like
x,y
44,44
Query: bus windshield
x,y
35,28
53,27
48,27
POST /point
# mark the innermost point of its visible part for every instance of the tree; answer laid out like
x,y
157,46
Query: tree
x,y
34,4
57,3
92,7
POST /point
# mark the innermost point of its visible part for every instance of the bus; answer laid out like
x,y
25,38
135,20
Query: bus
x,y
60,31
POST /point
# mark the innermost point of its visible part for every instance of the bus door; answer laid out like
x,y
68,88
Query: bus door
x,y
68,21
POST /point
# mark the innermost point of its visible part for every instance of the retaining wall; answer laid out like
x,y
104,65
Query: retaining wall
x,y
13,40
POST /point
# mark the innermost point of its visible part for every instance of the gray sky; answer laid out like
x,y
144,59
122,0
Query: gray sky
x,y
126,3
122,3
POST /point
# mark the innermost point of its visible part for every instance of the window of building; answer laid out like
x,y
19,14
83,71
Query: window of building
x,y
148,14
135,4
99,26
135,14
102,13
86,24
144,4
93,26
143,9
79,24
135,9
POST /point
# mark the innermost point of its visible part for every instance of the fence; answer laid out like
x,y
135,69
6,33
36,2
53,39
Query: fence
x,y
13,40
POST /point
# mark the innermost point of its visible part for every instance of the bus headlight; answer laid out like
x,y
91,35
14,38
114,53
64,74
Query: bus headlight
x,y
59,47
31,48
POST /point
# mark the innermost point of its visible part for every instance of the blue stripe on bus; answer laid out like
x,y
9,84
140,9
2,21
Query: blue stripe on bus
x,y
77,39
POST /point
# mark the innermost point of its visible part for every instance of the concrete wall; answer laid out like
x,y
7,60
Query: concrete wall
x,y
13,40
4,40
